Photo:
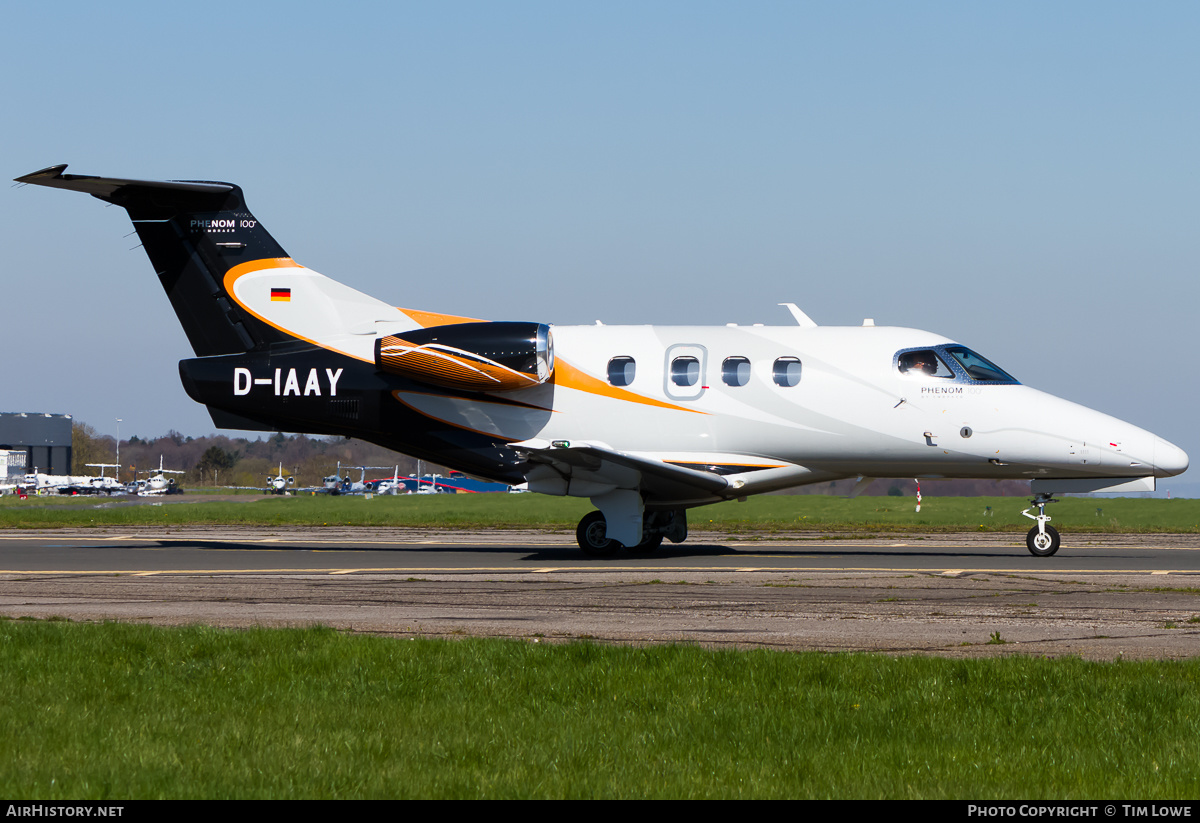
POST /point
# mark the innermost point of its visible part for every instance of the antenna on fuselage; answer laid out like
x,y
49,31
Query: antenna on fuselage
x,y
802,319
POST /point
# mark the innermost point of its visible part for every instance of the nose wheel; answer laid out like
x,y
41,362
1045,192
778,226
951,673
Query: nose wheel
x,y
1043,544
1043,539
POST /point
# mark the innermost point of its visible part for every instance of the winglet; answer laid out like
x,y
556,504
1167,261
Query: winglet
x,y
35,177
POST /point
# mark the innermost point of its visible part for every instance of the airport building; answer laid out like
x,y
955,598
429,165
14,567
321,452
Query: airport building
x,y
30,441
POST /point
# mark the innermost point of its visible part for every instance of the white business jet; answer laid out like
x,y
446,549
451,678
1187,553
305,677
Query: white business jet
x,y
157,482
279,484
646,421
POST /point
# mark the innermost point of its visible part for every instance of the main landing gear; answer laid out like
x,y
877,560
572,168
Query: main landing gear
x,y
1043,539
592,533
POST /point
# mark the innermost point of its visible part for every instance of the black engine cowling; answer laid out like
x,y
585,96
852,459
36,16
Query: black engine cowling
x,y
471,356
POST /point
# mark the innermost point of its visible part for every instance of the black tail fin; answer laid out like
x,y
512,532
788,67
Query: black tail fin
x,y
194,232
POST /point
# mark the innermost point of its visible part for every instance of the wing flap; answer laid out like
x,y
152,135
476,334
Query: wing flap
x,y
587,469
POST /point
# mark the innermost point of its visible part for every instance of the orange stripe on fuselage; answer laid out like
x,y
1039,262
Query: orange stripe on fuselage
x,y
569,377
565,375
429,318
259,265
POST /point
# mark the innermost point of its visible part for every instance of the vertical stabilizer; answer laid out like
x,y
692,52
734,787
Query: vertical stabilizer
x,y
194,232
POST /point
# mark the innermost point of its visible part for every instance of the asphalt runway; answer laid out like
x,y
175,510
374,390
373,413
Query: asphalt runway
x,y
1100,597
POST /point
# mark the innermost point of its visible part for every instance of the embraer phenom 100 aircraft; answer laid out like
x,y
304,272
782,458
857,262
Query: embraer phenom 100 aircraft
x,y
646,421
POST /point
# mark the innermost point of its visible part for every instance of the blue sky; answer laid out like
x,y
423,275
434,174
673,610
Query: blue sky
x,y
1021,177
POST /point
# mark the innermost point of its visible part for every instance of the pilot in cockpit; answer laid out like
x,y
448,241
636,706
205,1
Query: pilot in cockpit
x,y
918,362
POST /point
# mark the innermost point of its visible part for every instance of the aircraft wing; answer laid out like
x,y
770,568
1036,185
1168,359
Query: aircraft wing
x,y
586,468
589,469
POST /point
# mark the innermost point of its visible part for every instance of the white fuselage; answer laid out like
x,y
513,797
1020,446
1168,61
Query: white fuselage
x,y
155,484
851,412
646,421
41,481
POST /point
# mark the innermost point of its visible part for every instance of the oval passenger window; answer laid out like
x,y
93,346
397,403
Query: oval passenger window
x,y
787,372
685,371
735,371
621,371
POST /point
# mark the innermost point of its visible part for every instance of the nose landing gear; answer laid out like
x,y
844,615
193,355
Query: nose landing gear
x,y
1043,539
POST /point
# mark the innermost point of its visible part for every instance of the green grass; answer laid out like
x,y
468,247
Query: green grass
x,y
763,514
122,712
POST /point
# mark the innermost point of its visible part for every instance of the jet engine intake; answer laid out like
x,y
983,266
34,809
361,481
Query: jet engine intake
x,y
485,357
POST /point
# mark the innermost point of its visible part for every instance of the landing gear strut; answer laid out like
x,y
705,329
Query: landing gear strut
x,y
1043,539
592,533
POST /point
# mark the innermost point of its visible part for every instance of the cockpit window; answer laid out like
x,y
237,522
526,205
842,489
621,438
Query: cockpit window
x,y
979,368
923,362
957,363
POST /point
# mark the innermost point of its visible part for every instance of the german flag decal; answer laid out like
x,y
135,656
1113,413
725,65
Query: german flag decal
x,y
284,295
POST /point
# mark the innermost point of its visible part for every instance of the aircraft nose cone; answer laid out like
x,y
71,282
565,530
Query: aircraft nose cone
x,y
1169,459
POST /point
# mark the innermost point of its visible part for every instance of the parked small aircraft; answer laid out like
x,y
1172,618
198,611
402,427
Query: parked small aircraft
x,y
390,485
156,481
102,484
71,484
646,421
336,484
279,484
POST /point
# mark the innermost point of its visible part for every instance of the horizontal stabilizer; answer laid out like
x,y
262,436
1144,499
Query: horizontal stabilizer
x,y
110,188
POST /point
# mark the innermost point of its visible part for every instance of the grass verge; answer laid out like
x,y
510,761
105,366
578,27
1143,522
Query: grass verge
x,y
763,514
124,712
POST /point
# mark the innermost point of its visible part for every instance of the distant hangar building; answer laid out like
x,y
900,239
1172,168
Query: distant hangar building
x,y
34,440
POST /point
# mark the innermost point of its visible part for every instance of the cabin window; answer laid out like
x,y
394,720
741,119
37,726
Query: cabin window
x,y
735,371
685,371
924,362
787,372
621,371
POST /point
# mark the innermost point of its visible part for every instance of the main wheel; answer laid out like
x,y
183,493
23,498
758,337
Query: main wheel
x,y
1043,545
648,544
592,536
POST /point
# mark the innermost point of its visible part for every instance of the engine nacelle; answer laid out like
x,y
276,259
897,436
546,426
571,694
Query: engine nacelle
x,y
483,357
